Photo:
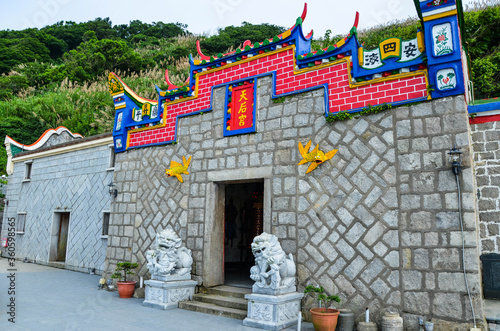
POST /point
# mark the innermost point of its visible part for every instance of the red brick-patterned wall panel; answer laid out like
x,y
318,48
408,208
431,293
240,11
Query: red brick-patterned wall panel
x,y
341,95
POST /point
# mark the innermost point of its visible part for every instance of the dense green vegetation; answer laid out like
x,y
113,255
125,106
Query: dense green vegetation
x,y
57,75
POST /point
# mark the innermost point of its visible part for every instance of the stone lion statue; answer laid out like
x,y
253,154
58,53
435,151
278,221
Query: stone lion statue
x,y
168,257
272,269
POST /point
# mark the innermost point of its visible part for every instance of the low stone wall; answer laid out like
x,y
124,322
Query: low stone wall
x,y
378,224
485,142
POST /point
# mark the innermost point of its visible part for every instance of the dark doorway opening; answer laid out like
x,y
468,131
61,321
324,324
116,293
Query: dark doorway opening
x,y
243,220
62,240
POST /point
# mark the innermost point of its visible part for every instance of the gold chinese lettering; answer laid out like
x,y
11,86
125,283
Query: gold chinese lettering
x,y
243,95
243,108
242,120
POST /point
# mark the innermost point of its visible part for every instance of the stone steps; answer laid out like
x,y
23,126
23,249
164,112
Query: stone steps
x,y
229,291
226,301
218,300
212,309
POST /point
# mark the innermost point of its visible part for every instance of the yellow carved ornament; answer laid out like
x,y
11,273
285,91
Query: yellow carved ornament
x,y
176,169
316,157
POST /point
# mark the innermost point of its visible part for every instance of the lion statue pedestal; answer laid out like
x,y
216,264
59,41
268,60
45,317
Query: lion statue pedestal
x,y
274,303
170,268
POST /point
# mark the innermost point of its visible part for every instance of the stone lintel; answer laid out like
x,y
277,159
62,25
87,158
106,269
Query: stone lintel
x,y
240,174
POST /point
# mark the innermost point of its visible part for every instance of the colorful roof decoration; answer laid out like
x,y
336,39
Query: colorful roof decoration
x,y
17,147
396,72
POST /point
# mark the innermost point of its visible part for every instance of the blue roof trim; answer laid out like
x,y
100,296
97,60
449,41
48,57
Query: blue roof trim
x,y
472,109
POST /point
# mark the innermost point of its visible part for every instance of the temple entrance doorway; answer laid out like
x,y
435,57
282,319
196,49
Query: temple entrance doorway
x,y
243,220
59,237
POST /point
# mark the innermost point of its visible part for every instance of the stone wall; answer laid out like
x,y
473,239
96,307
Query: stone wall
x,y
486,139
378,224
74,182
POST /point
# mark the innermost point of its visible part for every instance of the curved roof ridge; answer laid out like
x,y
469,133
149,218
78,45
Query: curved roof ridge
x,y
42,139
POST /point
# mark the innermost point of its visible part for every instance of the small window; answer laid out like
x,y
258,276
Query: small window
x,y
112,157
27,171
105,223
21,221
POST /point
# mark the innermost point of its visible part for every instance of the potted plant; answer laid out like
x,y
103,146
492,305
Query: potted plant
x,y
125,288
324,319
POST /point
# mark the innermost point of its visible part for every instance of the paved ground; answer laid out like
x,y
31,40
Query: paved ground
x,y
55,299
492,311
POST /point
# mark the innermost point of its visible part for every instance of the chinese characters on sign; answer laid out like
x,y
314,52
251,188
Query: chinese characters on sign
x,y
372,59
240,110
390,48
410,50
137,114
401,50
146,111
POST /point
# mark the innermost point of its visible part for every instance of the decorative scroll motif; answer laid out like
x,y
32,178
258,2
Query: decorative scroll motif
x,y
181,294
443,40
410,50
272,269
168,257
147,110
288,311
372,59
402,50
262,312
390,48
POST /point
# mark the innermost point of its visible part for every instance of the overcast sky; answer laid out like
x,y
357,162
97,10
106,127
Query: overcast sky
x,y
205,16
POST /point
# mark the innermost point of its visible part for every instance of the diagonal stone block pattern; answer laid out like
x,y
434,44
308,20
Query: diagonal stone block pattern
x,y
74,182
375,218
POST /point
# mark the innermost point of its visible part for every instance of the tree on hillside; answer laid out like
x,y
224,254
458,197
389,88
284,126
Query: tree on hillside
x,y
94,57
21,50
232,36
72,33
482,35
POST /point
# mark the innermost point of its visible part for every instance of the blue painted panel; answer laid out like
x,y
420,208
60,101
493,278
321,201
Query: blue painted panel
x,y
429,41
459,76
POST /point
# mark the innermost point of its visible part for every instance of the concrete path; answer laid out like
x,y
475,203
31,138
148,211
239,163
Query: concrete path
x,y
492,313
55,299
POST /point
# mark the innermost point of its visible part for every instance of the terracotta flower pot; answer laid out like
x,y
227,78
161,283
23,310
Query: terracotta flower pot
x,y
324,321
126,289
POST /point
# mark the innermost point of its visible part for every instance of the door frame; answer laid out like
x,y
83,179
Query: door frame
x,y
213,252
54,235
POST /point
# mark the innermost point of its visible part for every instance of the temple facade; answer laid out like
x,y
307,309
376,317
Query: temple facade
x,y
255,141
366,164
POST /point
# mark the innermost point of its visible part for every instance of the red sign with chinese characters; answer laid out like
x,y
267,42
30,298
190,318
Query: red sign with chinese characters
x,y
242,107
